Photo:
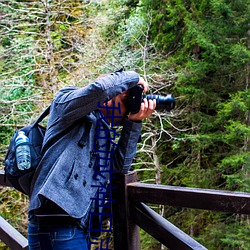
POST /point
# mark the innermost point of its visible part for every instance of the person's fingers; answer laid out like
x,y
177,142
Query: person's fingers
x,y
146,110
144,84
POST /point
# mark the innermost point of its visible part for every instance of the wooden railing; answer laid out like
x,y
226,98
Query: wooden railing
x,y
8,234
130,212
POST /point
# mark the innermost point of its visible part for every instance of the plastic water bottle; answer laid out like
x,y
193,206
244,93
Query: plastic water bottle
x,y
23,156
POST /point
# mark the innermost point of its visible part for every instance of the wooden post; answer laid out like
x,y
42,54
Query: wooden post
x,y
4,182
126,233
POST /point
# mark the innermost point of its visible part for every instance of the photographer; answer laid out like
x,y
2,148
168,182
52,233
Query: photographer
x,y
66,179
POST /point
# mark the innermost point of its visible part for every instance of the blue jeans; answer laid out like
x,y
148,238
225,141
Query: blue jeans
x,y
57,238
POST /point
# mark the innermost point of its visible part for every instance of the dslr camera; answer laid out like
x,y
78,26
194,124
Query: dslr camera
x,y
135,97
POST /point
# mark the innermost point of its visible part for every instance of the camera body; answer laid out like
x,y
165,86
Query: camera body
x,y
135,97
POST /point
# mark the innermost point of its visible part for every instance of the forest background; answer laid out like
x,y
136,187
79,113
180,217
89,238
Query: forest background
x,y
198,50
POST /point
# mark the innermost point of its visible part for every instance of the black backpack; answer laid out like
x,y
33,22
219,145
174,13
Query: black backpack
x,y
21,179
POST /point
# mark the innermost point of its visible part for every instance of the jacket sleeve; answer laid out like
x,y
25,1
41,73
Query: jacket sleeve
x,y
126,148
73,105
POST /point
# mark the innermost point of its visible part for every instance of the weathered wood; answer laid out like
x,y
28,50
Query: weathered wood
x,y
125,231
128,211
2,181
161,229
11,237
208,199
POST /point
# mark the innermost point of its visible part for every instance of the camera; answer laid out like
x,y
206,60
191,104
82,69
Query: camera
x,y
135,97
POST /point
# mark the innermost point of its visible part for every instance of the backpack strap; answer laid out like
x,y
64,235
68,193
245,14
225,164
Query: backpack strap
x,y
43,115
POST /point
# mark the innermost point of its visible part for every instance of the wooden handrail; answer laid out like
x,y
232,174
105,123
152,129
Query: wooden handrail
x,y
208,199
11,237
130,213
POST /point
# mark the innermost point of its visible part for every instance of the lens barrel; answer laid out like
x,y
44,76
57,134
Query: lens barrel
x,y
162,102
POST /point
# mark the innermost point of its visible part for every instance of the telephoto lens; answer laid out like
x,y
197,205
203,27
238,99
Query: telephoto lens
x,y
162,102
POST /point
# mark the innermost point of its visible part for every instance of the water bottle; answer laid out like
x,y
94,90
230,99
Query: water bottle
x,y
23,156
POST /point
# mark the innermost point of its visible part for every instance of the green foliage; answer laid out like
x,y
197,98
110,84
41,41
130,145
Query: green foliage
x,y
222,235
206,43
41,48
197,50
14,208
148,242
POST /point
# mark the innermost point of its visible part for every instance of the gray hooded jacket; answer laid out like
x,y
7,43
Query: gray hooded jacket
x,y
66,172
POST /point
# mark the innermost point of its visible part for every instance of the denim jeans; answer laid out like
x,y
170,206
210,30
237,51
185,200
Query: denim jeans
x,y
57,238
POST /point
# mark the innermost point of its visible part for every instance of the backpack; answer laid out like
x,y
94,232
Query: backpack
x,y
21,179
